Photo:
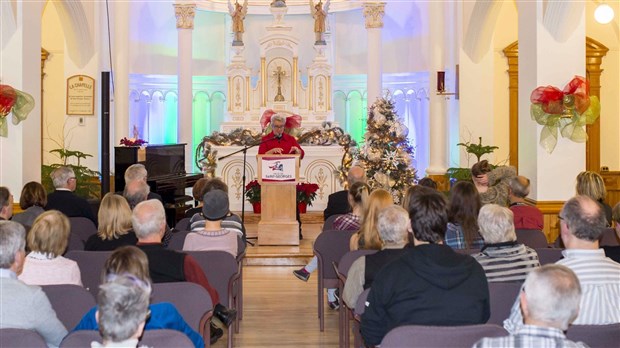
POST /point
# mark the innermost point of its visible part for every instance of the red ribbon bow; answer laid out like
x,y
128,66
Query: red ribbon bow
x,y
293,121
552,99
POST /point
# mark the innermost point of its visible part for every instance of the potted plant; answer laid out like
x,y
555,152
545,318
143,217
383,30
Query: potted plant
x,y
306,193
252,194
478,150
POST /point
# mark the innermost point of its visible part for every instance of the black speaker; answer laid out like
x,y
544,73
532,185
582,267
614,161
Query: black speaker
x,y
105,132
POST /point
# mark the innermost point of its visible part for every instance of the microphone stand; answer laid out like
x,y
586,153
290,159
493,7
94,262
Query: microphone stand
x,y
245,151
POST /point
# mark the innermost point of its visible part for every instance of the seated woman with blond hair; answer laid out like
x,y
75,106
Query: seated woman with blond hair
x,y
368,236
115,228
47,240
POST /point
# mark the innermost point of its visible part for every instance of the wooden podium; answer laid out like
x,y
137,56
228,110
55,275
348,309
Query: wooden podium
x,y
278,176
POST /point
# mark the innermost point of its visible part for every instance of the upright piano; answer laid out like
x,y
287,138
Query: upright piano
x,y
165,165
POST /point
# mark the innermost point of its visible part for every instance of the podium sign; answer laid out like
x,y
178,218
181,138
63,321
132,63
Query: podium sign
x,y
278,176
279,168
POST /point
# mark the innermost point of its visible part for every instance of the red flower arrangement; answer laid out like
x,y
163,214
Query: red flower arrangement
x,y
133,142
252,192
306,192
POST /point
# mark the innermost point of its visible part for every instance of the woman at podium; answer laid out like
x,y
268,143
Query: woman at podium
x,y
277,142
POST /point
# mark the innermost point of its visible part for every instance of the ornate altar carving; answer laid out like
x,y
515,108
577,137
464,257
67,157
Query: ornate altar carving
x,y
278,83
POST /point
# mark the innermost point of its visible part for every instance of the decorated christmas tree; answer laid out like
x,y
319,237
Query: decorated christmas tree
x,y
386,153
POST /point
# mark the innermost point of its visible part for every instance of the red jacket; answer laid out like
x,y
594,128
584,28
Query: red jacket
x,y
286,142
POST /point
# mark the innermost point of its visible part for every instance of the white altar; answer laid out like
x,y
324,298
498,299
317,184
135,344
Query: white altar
x,y
318,166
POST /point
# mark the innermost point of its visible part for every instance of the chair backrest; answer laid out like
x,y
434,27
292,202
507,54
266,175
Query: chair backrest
x,y
548,255
347,260
177,240
609,238
90,263
440,336
221,269
21,338
70,302
329,247
502,296
360,306
81,229
182,225
190,299
595,336
329,223
163,338
532,238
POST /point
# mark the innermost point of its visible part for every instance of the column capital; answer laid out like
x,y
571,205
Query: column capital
x,y
185,15
373,13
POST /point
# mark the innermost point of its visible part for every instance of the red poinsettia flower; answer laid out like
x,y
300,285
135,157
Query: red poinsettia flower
x,y
306,192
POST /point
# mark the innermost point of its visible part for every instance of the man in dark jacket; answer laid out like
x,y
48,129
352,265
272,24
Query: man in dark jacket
x,y
64,200
430,284
337,202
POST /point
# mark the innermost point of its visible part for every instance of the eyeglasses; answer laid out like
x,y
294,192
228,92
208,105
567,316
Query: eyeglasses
x,y
560,217
279,127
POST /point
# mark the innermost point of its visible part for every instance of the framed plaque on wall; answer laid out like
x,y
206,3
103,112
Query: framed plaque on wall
x,y
80,95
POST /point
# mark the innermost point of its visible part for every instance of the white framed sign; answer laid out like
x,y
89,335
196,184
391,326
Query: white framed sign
x,y
80,95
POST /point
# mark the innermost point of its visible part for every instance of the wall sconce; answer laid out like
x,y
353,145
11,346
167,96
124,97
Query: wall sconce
x,y
441,84
603,13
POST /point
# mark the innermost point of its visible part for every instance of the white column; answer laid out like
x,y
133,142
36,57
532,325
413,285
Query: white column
x,y
121,71
20,68
373,13
548,60
437,104
185,26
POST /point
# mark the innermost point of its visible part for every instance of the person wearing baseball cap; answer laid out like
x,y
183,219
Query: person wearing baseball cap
x,y
213,236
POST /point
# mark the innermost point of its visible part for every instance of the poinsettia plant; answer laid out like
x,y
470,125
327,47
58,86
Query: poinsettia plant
x,y
252,192
306,192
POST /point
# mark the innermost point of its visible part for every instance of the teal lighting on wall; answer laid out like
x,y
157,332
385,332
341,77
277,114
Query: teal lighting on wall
x,y
200,122
170,120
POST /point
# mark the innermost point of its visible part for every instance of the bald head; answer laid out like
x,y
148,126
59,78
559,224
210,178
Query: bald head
x,y
583,218
519,186
356,174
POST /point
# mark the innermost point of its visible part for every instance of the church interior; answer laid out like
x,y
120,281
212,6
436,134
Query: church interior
x,y
192,72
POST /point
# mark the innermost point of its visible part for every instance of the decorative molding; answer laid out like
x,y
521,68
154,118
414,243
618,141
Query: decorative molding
x,y
185,15
550,211
373,13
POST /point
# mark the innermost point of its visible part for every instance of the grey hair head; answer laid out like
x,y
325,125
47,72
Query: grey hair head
x,y
61,175
496,224
277,117
135,172
148,218
392,224
123,305
12,240
553,294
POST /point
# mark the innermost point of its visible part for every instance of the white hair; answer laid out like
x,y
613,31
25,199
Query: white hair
x,y
496,224
553,294
277,117
392,224
135,172
12,240
148,217
61,175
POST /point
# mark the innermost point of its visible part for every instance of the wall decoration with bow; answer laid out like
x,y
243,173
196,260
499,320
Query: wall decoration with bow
x,y
568,110
15,101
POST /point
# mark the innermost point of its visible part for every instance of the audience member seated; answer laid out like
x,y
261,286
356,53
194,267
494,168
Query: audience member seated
x,y
213,236
123,311
231,221
582,222
47,241
337,201
591,184
430,284
23,306
136,192
462,232
64,200
428,182
131,261
32,201
198,191
6,203
492,184
393,225
502,258
368,236
149,223
613,252
549,303
114,225
357,199
527,217
137,172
